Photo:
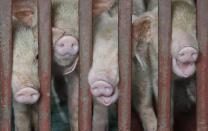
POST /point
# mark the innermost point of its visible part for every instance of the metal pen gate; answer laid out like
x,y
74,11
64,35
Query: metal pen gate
x,y
85,39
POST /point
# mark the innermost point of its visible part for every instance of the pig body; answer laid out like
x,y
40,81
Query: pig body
x,y
25,81
65,31
184,94
104,71
103,76
71,79
65,45
60,22
184,52
65,54
67,88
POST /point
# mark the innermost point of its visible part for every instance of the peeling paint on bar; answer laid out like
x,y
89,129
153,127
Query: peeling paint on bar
x,y
5,64
85,39
124,109
44,36
202,67
164,78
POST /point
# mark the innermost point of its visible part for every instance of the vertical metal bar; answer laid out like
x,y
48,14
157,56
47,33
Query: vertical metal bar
x,y
124,48
5,63
44,36
164,76
85,39
202,67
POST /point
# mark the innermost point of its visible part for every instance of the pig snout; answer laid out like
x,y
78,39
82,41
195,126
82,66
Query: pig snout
x,y
67,46
101,88
108,100
188,54
27,96
184,62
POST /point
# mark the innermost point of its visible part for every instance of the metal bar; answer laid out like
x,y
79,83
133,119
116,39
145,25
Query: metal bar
x,y
5,63
44,36
202,67
124,48
164,76
85,39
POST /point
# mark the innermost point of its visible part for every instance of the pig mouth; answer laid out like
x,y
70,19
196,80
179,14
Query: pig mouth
x,y
64,56
183,69
108,100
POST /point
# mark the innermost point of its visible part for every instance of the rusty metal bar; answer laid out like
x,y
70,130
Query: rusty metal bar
x,y
164,76
85,40
44,37
124,48
202,67
5,64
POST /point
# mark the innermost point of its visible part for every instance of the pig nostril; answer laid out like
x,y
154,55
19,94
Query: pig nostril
x,y
100,88
75,47
27,96
195,55
107,90
61,45
21,96
181,54
95,90
35,96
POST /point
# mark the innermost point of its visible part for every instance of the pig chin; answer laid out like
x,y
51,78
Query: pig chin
x,y
183,69
64,60
108,100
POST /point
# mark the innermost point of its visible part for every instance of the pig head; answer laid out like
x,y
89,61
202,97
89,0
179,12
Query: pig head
x,y
184,54
25,80
184,46
104,73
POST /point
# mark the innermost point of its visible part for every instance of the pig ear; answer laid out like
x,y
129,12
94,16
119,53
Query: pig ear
x,y
56,34
25,11
142,27
100,6
142,36
70,69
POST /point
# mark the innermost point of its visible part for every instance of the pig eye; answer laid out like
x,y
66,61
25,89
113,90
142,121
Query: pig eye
x,y
35,60
36,57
